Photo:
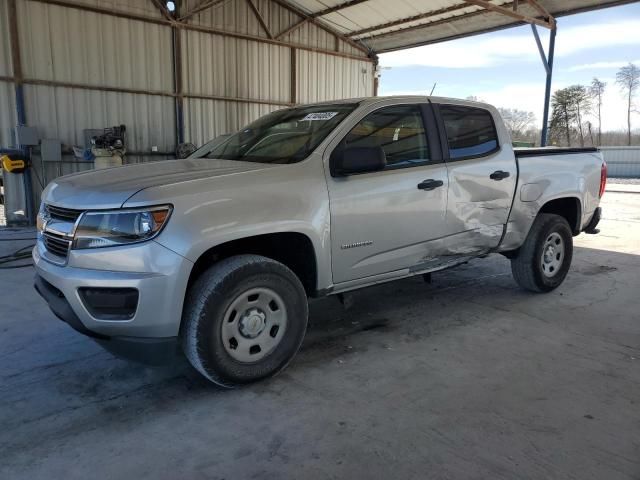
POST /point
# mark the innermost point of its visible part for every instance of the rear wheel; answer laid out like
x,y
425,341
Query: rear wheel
x,y
543,261
244,320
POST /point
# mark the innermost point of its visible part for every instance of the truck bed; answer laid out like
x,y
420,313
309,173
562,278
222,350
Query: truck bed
x,y
541,151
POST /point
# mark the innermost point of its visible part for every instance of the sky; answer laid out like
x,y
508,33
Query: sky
x,y
504,68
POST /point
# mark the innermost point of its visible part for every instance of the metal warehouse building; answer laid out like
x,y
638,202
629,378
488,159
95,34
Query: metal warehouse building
x,y
188,71
94,64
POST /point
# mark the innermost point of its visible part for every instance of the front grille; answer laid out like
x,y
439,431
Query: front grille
x,y
56,244
60,213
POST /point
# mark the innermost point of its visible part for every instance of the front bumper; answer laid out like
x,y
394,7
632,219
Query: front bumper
x,y
153,351
158,274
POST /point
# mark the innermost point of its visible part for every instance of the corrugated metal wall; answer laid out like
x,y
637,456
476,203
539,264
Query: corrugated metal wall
x,y
231,67
227,82
235,16
247,69
7,114
622,162
70,45
64,113
323,77
207,119
5,51
7,92
132,6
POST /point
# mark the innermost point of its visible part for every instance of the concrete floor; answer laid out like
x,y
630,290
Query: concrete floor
x,y
468,377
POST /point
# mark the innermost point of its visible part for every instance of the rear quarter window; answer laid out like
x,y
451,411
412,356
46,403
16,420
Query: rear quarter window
x,y
470,131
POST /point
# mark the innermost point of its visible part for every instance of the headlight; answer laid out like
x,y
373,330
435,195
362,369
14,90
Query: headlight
x,y
41,218
120,227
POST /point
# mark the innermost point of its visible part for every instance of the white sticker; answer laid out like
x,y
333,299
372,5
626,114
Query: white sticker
x,y
319,116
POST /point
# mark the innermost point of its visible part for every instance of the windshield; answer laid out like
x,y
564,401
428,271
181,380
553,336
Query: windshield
x,y
283,136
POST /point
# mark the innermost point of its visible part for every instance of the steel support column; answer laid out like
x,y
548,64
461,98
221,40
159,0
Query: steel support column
x,y
547,62
16,62
376,78
176,54
294,76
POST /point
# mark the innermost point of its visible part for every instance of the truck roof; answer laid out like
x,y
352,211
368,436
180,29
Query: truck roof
x,y
400,98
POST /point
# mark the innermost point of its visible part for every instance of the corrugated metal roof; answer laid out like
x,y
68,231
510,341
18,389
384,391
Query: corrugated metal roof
x,y
383,26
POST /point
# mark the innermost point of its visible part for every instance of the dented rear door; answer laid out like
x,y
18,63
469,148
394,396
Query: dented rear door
x,y
482,175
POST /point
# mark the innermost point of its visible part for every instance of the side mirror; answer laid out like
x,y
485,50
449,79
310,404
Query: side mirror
x,y
351,160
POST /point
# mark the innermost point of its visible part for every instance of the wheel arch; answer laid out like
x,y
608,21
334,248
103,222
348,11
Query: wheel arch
x,y
568,207
293,249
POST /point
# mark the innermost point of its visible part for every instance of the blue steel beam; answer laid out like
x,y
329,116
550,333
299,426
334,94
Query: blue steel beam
x,y
21,116
547,62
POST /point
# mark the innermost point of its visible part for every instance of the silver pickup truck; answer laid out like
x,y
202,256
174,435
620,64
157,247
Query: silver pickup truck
x,y
218,253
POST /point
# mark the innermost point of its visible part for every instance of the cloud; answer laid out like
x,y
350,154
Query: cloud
x,y
500,49
483,52
590,37
601,65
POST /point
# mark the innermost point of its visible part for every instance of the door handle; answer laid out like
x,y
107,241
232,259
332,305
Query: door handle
x,y
499,175
430,184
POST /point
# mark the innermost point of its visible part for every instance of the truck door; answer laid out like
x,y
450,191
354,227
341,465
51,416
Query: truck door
x,y
482,177
384,221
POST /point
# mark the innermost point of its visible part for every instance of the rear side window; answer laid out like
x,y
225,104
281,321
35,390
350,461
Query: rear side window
x,y
398,130
470,131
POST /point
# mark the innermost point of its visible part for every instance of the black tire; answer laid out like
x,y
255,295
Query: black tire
x,y
527,266
212,296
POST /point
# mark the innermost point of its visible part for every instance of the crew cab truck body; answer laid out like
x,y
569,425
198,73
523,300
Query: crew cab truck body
x,y
219,252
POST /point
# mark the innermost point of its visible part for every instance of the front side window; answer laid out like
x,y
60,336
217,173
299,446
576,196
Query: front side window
x,y
470,131
283,136
398,130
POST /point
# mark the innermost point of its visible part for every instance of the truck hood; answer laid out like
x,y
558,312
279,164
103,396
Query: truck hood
x,y
111,187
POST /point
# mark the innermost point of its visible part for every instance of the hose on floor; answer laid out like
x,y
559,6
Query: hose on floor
x,y
23,253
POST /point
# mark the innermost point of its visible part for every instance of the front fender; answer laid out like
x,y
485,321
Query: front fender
x,y
209,212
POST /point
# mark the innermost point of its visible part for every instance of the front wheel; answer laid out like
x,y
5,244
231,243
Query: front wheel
x,y
244,319
543,261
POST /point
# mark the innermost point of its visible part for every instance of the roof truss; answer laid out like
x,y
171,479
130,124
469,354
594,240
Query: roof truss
x,y
513,13
545,19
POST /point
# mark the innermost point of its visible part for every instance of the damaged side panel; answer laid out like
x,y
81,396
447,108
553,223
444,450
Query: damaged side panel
x,y
478,206
546,178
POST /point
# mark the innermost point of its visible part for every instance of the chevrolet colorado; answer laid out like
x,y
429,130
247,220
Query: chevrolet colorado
x,y
219,253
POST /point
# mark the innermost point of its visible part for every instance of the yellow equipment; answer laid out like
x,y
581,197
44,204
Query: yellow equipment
x,y
12,166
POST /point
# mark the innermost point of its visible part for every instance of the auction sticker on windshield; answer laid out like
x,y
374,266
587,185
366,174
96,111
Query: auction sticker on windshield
x,y
319,116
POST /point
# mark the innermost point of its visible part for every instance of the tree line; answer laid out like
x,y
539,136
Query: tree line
x,y
575,108
576,114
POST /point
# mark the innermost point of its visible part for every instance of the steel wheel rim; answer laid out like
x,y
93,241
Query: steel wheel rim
x,y
552,255
254,325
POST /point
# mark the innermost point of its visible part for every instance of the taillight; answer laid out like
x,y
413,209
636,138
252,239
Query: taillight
x,y
603,179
